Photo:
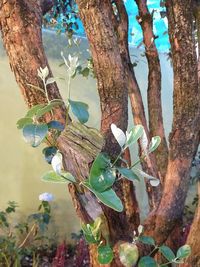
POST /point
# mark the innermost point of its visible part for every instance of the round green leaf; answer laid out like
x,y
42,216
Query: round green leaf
x,y
101,178
147,240
128,173
147,262
128,254
47,108
80,110
183,252
32,111
104,181
24,121
105,254
49,153
167,253
56,125
34,134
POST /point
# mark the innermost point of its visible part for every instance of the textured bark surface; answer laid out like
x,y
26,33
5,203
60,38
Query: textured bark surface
x,y
20,23
185,130
193,239
154,86
113,94
120,21
21,31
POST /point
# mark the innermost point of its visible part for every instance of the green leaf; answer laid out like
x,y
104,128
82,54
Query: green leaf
x,y
53,177
128,254
35,134
105,254
108,198
147,262
32,111
85,72
24,121
104,181
134,135
49,153
56,125
96,226
47,108
167,253
155,142
68,176
90,237
50,80
80,110
128,173
147,240
101,178
183,252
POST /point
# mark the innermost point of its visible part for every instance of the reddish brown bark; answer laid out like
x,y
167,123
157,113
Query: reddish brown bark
x,y
154,86
20,23
194,238
185,129
21,31
121,27
113,94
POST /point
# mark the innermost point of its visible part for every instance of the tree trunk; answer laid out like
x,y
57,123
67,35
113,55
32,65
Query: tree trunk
x,y
113,94
194,238
20,23
185,130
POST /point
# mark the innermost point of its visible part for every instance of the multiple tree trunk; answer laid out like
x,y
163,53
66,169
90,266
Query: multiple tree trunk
x,y
20,23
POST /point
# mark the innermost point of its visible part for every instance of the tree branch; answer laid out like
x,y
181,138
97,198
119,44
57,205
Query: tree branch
x,y
154,86
136,99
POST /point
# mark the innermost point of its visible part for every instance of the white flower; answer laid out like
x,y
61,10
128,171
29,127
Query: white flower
x,y
46,197
118,134
71,65
56,162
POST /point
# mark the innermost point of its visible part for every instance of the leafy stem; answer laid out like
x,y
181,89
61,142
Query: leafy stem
x,y
45,89
167,263
28,235
117,158
6,260
155,248
138,161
